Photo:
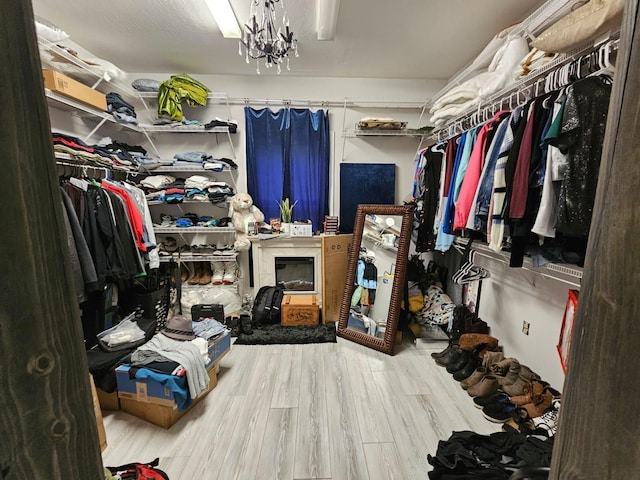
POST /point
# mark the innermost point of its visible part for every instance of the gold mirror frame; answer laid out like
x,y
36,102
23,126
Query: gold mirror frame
x,y
386,344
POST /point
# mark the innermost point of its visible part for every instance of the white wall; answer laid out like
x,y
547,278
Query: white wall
x,y
513,295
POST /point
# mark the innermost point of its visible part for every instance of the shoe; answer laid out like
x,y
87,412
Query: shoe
x,y
459,364
184,272
490,358
485,387
540,405
235,326
466,371
481,402
515,388
218,273
229,276
205,279
451,357
532,391
499,412
197,274
245,324
519,422
474,378
547,424
474,341
167,246
442,353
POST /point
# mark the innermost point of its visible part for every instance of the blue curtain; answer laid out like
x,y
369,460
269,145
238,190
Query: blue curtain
x,y
288,157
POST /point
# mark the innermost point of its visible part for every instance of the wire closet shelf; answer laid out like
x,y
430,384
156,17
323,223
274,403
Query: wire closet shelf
x,y
522,91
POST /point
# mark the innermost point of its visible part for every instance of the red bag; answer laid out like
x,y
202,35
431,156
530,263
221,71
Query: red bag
x,y
139,471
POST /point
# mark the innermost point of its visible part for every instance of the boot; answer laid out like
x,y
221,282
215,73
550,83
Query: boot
x,y
474,341
218,273
490,358
184,272
459,364
504,367
466,371
540,405
442,353
229,275
205,279
532,390
485,387
197,274
451,357
245,324
474,378
515,388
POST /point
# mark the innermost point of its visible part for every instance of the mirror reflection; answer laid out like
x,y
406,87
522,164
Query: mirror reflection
x,y
375,277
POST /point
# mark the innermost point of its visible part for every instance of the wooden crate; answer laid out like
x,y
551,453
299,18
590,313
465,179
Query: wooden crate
x,y
300,310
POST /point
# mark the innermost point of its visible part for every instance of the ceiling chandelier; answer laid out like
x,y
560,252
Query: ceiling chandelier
x,y
263,38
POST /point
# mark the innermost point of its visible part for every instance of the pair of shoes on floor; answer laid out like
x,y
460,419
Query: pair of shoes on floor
x,y
225,273
496,407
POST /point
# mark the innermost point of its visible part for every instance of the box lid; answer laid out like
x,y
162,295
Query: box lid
x,y
300,300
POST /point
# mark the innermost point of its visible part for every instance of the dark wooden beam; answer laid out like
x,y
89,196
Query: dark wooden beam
x,y
47,424
599,426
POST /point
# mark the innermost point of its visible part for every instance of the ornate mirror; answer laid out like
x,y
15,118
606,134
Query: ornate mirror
x,y
375,280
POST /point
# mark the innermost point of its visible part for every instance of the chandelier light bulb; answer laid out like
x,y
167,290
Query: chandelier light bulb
x,y
264,39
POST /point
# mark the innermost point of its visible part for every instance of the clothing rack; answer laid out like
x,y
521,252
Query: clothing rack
x,y
551,270
84,170
525,89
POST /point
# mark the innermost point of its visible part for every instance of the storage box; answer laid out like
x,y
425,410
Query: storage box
x,y
68,87
102,436
108,401
150,391
300,310
301,230
164,415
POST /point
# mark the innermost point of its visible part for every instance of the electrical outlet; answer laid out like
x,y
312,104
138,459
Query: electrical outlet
x,y
525,327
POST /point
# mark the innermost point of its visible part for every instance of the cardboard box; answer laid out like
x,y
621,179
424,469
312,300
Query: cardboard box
x,y
301,230
102,435
108,401
300,310
164,415
149,391
57,82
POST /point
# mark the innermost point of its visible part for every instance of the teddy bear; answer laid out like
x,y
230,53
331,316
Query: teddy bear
x,y
242,212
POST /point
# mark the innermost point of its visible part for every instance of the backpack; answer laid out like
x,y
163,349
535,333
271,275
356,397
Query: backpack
x,y
266,306
139,471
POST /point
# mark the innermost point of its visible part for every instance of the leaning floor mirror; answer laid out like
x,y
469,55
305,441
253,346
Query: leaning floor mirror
x,y
373,291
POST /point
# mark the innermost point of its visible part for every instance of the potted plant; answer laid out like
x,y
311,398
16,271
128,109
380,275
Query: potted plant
x,y
286,211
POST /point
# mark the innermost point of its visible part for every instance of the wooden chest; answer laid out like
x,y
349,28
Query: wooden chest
x,y
300,310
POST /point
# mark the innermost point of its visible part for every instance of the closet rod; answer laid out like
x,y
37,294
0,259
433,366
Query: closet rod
x,y
533,24
523,87
345,103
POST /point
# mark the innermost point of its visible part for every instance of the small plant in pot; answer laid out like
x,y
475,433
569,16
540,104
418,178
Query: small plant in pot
x,y
286,212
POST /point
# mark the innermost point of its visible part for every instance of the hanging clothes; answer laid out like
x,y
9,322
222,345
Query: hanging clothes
x,y
428,200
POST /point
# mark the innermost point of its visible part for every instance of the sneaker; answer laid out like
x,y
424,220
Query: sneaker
x,y
499,412
229,277
481,402
547,424
218,273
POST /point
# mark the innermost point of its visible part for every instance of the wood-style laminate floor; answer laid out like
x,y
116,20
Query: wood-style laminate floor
x,y
325,411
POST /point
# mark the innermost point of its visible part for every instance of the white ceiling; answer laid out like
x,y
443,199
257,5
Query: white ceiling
x,y
409,39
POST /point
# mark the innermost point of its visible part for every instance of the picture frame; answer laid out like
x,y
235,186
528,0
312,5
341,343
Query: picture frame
x,y
566,330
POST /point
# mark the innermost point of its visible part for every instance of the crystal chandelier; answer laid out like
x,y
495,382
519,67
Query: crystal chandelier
x,y
262,38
